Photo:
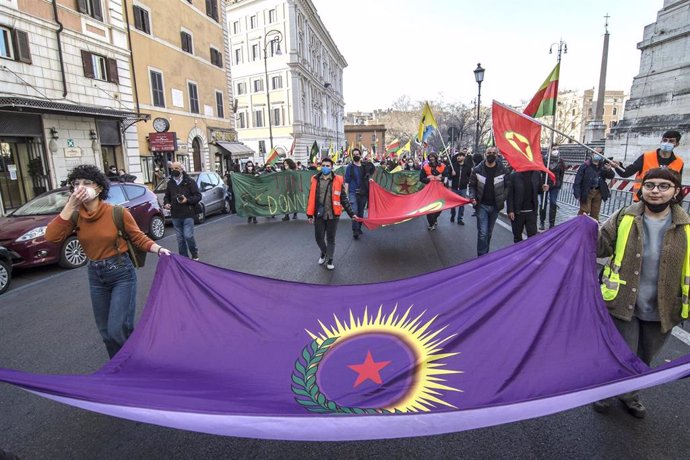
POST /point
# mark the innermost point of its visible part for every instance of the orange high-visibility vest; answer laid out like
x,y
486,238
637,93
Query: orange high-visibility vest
x,y
439,167
651,161
336,191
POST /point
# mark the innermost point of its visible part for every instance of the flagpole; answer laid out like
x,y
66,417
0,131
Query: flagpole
x,y
534,120
561,47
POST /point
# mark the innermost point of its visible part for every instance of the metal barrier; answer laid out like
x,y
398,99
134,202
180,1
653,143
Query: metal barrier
x,y
619,198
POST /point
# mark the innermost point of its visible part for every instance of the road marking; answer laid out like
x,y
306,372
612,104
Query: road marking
x,y
682,335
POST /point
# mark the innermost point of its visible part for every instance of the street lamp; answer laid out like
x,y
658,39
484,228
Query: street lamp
x,y
479,78
275,41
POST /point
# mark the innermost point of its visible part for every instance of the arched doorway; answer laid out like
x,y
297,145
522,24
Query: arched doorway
x,y
196,153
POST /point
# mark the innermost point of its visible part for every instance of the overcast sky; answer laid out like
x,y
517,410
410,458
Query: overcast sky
x,y
427,49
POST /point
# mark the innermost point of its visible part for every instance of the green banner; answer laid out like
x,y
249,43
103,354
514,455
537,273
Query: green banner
x,y
402,182
271,194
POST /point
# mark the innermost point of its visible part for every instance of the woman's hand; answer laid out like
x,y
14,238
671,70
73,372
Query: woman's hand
x,y
77,198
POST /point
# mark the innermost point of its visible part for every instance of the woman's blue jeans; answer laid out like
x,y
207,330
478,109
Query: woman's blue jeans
x,y
113,285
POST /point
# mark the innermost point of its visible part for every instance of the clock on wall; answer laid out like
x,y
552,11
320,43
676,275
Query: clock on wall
x,y
161,125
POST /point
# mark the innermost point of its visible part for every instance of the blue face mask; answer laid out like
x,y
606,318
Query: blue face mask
x,y
597,158
325,170
666,147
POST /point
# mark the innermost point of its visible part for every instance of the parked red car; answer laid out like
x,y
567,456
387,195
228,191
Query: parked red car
x,y
22,232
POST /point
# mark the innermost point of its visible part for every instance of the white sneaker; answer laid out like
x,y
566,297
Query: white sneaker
x,y
322,259
329,264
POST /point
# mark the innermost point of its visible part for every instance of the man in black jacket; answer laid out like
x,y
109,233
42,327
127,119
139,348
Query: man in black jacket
x,y
459,179
488,194
181,197
557,167
522,200
590,187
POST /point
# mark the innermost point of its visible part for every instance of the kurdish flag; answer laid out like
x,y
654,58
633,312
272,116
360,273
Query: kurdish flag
x,y
426,124
233,355
314,153
403,149
544,102
272,157
393,147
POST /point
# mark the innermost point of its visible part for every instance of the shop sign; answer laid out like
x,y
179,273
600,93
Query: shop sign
x,y
163,142
72,152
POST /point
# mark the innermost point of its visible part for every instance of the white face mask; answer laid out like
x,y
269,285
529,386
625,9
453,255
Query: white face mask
x,y
666,147
90,193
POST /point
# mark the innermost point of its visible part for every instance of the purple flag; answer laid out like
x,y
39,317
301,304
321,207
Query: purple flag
x,y
515,334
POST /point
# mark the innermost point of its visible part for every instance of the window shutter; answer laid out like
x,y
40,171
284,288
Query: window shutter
x,y
112,71
137,18
22,52
97,11
82,6
87,63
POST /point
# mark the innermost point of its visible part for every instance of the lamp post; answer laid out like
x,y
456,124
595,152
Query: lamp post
x,y
277,38
479,78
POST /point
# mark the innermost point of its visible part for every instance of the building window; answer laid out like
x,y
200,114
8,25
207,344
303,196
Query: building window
x,y
141,20
272,16
193,98
274,47
220,108
157,91
258,85
99,67
216,58
255,52
615,111
238,55
253,22
276,82
262,146
258,118
276,117
241,120
236,27
212,9
241,88
91,7
186,40
12,40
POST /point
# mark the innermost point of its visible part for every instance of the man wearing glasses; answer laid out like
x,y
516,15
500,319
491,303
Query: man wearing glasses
x,y
181,198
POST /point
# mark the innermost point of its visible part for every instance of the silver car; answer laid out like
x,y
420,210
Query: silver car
x,y
214,195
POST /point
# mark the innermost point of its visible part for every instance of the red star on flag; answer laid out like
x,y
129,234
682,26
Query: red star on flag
x,y
368,370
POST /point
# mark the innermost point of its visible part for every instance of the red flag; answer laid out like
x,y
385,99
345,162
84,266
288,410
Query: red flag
x,y
292,148
517,137
386,208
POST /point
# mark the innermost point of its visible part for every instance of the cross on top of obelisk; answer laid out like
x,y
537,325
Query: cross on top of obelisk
x,y
606,26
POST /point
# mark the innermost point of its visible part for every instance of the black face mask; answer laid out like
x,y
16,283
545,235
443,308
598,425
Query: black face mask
x,y
490,158
356,159
175,173
656,207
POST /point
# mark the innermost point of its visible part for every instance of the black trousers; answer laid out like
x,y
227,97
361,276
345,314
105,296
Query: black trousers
x,y
522,221
432,218
324,231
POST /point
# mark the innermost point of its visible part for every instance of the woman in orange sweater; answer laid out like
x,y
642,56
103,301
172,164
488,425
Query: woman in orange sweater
x,y
112,278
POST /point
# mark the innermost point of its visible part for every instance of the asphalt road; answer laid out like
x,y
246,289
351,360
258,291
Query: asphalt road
x,y
46,326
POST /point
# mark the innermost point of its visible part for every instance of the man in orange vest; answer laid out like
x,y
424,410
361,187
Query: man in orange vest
x,y
327,199
663,157
433,170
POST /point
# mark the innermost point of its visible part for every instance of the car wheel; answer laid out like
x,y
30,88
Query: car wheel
x,y
5,276
72,254
226,206
199,218
156,228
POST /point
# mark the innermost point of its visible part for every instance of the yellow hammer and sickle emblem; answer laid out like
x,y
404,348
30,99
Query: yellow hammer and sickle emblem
x,y
519,143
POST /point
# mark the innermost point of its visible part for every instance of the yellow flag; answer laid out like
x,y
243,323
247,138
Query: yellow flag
x,y
405,148
426,124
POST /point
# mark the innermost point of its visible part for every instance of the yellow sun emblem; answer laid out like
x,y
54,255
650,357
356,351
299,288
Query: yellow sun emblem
x,y
399,357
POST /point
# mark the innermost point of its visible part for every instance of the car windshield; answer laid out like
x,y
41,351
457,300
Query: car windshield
x,y
51,203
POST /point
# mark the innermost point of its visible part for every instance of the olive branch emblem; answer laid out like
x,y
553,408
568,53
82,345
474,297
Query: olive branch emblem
x,y
306,390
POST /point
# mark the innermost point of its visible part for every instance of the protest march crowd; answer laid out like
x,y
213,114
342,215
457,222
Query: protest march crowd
x,y
645,285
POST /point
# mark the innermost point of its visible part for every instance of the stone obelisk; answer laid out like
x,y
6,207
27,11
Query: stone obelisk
x,y
595,131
